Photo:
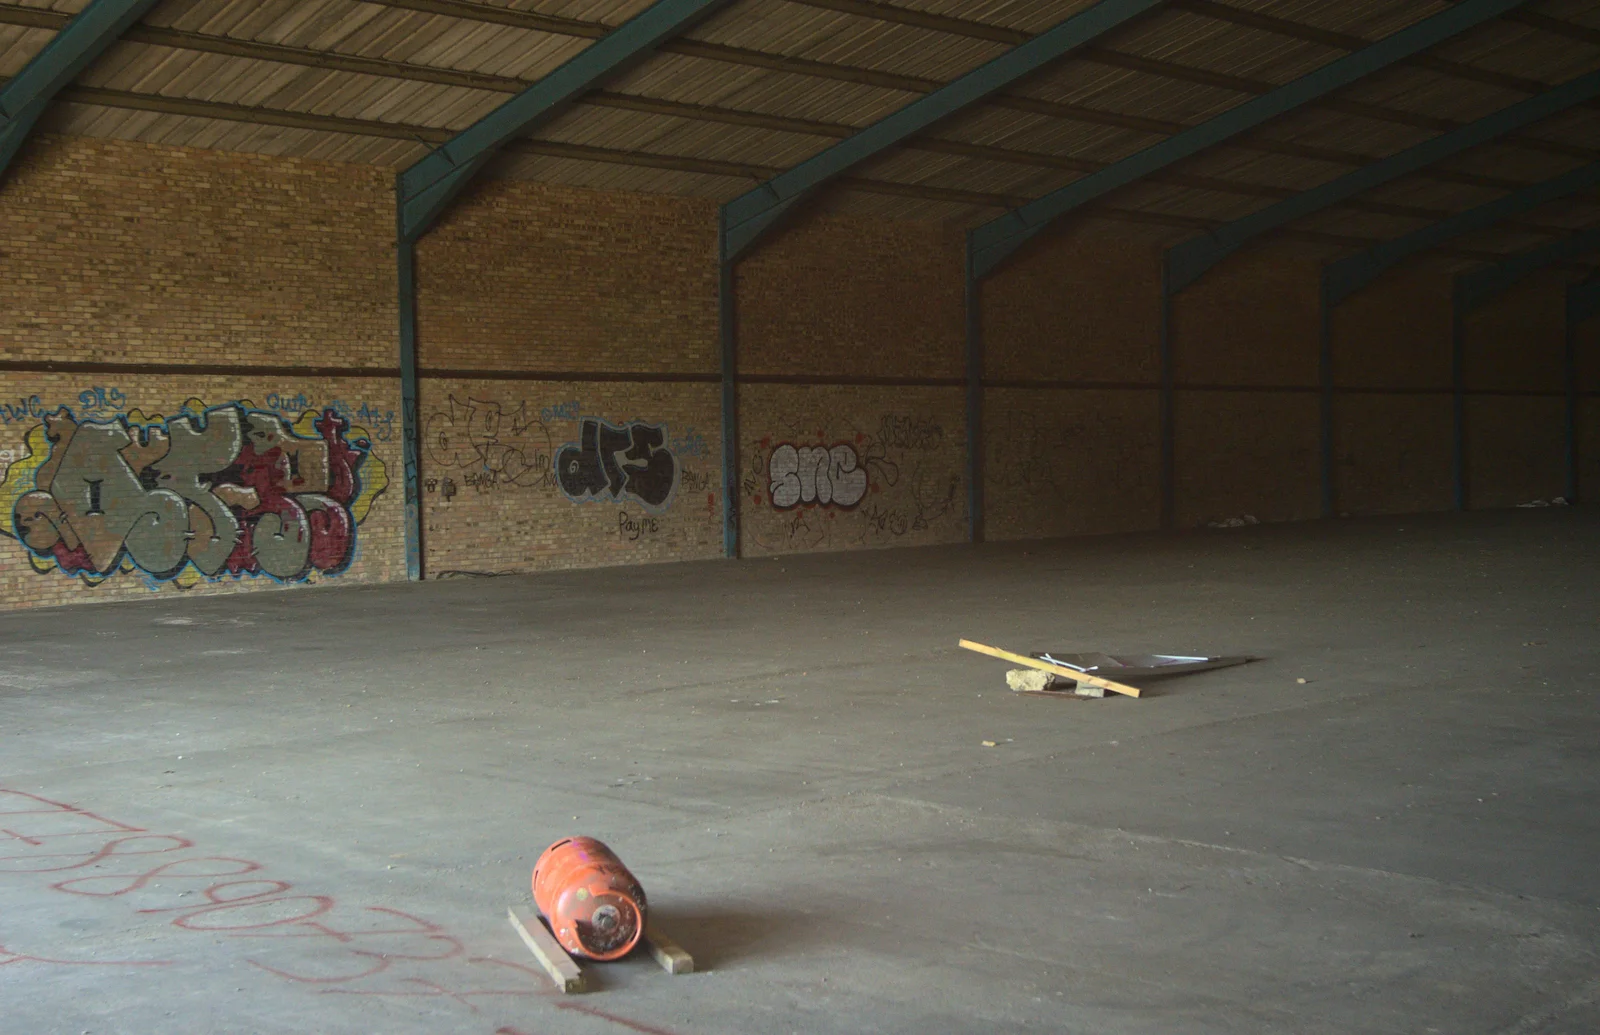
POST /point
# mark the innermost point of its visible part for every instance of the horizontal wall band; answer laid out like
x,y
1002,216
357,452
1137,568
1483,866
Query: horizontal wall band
x,y
844,380
647,377
202,370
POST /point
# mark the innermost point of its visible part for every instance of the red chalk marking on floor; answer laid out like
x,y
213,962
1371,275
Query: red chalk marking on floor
x,y
257,908
7,956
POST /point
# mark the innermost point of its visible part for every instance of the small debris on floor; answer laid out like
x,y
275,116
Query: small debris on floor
x,y
1241,521
989,744
1302,680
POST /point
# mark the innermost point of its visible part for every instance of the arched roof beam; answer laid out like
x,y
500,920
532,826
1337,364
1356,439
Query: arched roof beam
x,y
1345,277
747,217
427,187
994,241
26,96
1189,261
1479,287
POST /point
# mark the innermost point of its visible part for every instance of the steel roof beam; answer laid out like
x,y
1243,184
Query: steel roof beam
x,y
25,97
747,217
427,187
996,240
1190,260
1475,289
1347,276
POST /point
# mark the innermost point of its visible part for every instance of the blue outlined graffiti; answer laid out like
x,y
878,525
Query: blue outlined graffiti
x,y
618,463
92,402
218,491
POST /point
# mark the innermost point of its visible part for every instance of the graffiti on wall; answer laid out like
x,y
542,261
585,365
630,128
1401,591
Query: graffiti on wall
x,y
492,445
889,479
825,475
228,490
618,462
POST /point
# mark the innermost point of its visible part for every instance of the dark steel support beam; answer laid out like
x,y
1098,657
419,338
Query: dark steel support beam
x,y
26,96
727,314
975,439
748,216
998,239
1583,301
1193,258
410,414
1347,276
428,186
1325,379
1458,395
1168,414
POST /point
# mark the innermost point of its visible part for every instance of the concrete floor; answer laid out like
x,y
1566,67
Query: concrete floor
x,y
308,811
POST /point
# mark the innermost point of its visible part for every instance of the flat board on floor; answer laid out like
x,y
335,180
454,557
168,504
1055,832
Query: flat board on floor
x,y
1045,666
567,975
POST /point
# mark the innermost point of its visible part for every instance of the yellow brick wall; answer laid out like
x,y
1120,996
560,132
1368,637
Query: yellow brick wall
x,y
540,277
495,501
120,252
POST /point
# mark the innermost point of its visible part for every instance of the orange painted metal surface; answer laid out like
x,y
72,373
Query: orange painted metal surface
x,y
596,908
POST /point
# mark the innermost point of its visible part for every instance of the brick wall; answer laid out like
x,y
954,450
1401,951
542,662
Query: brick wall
x,y
171,304
839,467
524,276
131,253
830,456
619,291
508,485
1073,311
1252,322
173,315
831,297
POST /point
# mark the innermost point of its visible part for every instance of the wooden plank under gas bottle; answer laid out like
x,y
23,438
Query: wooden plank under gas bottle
x,y
567,975
668,953
1045,666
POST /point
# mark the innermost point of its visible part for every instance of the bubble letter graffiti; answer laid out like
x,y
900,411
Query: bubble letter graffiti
x,y
815,474
225,489
620,463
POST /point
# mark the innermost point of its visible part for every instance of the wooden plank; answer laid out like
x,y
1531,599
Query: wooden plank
x,y
1045,666
667,952
567,975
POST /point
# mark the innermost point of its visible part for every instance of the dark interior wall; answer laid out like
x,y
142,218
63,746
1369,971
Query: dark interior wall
x,y
1251,323
1078,306
1587,344
832,297
1515,352
559,327
1071,340
1394,435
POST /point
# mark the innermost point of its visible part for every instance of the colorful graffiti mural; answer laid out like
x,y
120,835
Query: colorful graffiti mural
x,y
630,462
222,491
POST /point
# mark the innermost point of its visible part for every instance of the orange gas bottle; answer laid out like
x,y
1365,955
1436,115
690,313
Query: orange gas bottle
x,y
595,906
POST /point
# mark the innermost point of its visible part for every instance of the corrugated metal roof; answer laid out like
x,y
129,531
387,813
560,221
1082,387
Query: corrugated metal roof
x,y
846,65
